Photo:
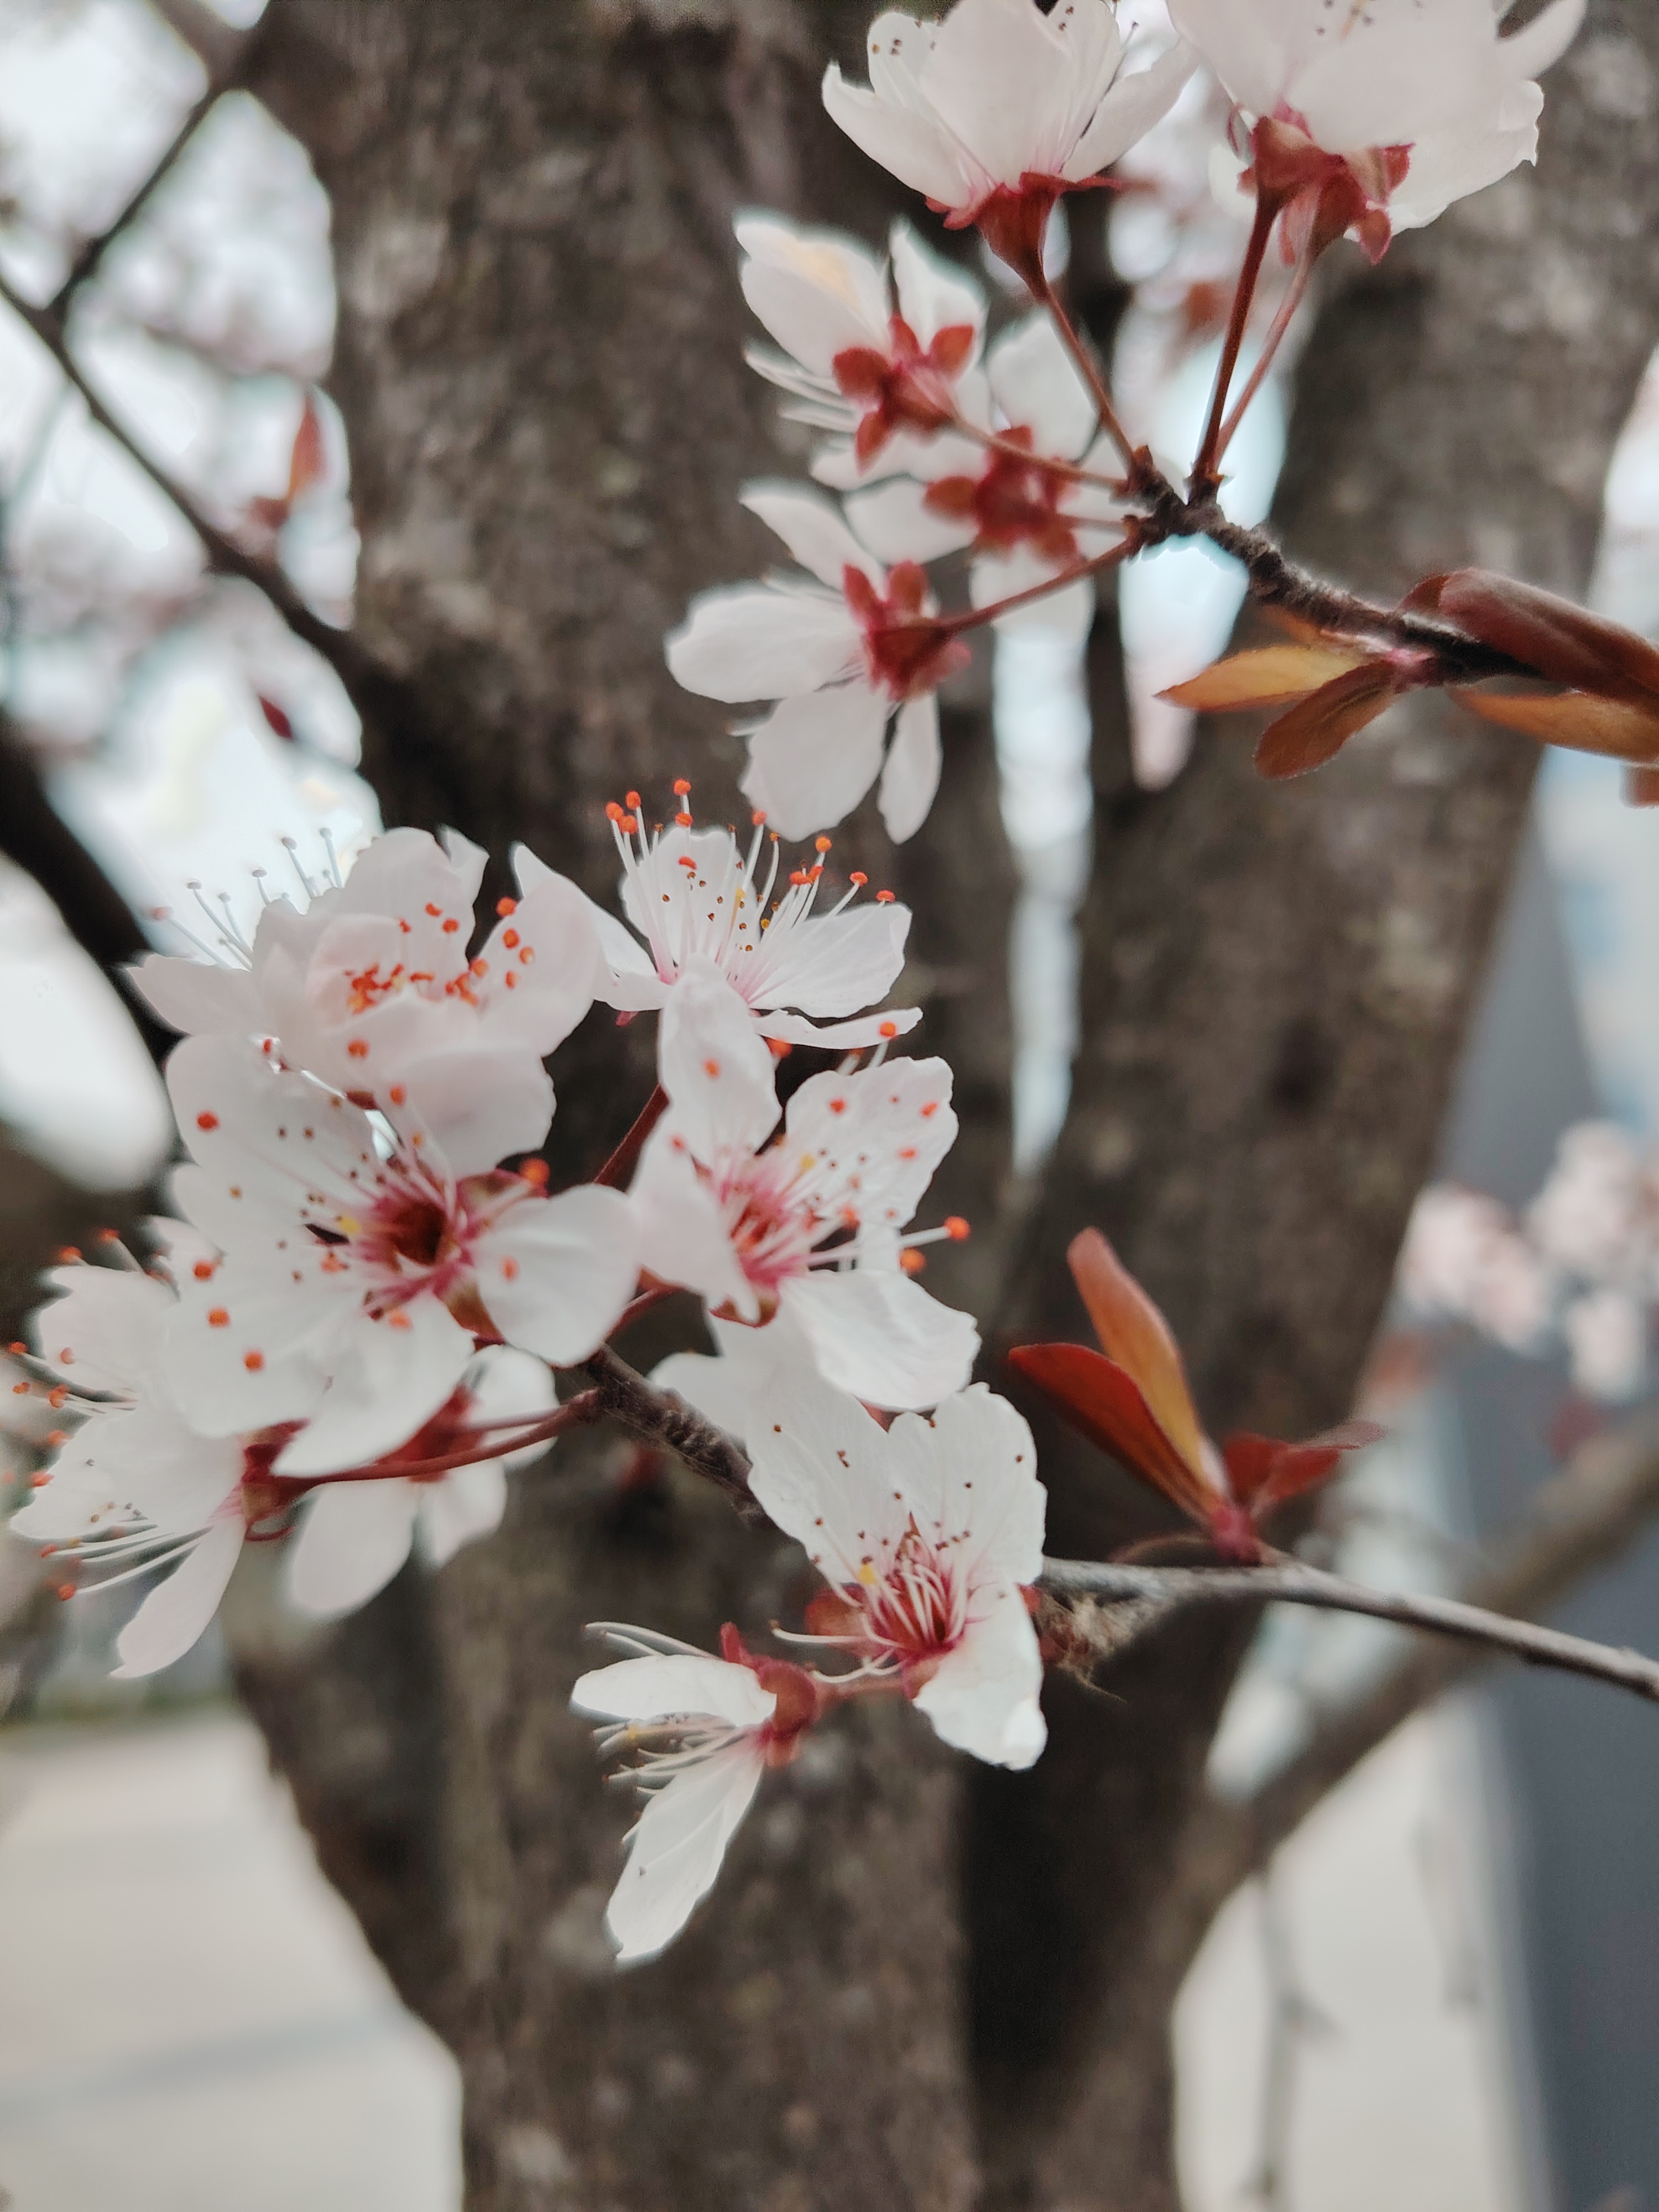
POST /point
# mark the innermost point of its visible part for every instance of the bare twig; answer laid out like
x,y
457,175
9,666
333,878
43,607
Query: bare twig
x,y
657,1417
1584,1519
1177,1588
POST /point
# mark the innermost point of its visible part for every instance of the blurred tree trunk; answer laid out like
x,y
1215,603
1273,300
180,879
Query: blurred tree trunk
x,y
1276,984
539,365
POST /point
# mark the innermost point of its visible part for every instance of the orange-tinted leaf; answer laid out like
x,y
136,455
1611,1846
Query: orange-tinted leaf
x,y
1642,786
1271,676
1551,635
1102,1402
307,461
1317,730
1573,719
1423,599
1133,1332
1263,1473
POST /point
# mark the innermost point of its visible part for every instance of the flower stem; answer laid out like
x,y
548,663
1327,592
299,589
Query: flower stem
x,y
1281,323
1203,479
622,1162
1073,340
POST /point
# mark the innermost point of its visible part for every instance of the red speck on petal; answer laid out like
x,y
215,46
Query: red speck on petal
x,y
510,937
711,1067
19,1389
451,927
203,1270
527,954
397,1094
399,1319
907,1152
837,1105
357,1048
511,980
207,1121
66,1357
218,1318
433,911
510,1270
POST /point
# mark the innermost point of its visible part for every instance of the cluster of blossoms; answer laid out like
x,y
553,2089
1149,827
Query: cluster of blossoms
x,y
352,1331
1346,121
1578,1268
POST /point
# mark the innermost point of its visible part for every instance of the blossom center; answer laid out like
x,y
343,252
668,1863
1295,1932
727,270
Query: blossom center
x,y
907,651
1011,502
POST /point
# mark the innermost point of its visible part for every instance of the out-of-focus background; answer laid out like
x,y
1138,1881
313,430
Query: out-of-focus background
x,y
1443,1996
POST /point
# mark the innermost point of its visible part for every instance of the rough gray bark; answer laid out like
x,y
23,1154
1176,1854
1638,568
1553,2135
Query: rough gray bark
x,y
1276,983
540,363
538,367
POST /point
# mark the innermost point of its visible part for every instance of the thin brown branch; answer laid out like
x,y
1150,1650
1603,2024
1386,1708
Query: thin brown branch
x,y
1584,1519
1172,1590
223,76
657,1417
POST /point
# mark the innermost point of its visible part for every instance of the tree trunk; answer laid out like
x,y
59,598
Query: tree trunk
x,y
1276,984
538,362
539,359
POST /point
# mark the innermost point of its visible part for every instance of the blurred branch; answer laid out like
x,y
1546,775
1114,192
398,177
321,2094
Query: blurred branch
x,y
35,836
1584,1519
226,63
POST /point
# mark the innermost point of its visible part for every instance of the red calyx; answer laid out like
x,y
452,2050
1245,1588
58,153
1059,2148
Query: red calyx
x,y
1011,502
1324,196
910,387
795,1690
1013,220
908,652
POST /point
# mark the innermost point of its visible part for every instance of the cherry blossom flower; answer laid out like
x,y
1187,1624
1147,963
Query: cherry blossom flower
x,y
812,1225
1131,1399
1026,519
693,893
927,1534
357,1280
136,1489
996,111
707,1729
374,982
353,1536
843,657
1377,117
886,381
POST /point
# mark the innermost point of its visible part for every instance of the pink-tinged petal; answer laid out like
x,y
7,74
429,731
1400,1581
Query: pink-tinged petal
x,y
835,963
910,777
933,294
814,758
466,1505
714,1065
550,946
894,519
881,1337
676,1686
675,1851
762,642
818,292
814,529
884,1129
1036,383
984,1696
353,1538
913,147
682,1232
481,1106
840,1037
1128,111
107,1329
192,995
175,1612
554,1273
388,1379
969,1474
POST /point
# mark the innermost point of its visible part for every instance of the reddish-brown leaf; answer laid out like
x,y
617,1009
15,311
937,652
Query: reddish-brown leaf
x,y
1104,1403
1133,1332
1642,786
1273,676
1317,730
1263,1473
1560,641
1573,719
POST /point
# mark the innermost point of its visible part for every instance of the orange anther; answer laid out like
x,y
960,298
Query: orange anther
x,y
19,1389
912,1261
885,898
57,1397
758,816
681,787
890,1028
109,1237
506,906
682,821
820,844
631,823
357,1048
779,1049
399,1319
203,1270
253,1361
433,910
956,1228
536,1172
527,954
57,1437
21,1350
612,813
635,802
510,937
510,980
857,879
70,1254
218,1318
451,926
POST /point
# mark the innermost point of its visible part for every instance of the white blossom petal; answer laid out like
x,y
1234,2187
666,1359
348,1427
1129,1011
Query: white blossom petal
x,y
353,1538
814,529
554,1273
983,1698
761,641
815,756
915,759
881,1336
176,1612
